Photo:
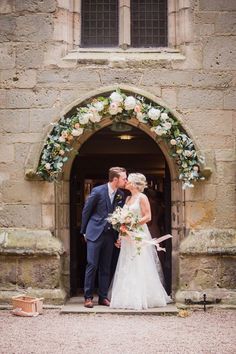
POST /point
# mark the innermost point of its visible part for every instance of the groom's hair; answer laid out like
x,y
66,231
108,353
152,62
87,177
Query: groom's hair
x,y
115,172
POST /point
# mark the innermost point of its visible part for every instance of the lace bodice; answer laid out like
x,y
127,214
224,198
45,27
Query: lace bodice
x,y
135,205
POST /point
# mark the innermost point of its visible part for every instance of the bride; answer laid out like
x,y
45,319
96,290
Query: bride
x,y
136,283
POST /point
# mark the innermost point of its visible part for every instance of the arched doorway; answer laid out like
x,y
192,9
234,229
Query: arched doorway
x,y
132,148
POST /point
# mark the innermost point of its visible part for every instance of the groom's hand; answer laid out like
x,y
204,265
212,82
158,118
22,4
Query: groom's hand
x,y
118,243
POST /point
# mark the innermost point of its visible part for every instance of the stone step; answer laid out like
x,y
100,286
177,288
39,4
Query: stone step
x,y
76,305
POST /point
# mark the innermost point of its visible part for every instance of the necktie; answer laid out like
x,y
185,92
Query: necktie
x,y
112,196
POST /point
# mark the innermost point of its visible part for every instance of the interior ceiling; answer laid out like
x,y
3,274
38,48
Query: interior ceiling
x,y
106,141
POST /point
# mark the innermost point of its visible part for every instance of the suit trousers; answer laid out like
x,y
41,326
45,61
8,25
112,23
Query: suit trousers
x,y
99,256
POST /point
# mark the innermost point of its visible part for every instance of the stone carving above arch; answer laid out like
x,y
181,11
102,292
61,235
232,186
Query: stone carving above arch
x,y
109,105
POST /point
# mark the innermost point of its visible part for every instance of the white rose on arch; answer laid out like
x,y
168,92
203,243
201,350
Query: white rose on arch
x,y
140,117
95,117
84,118
99,106
164,116
77,132
130,103
154,113
116,97
167,125
159,130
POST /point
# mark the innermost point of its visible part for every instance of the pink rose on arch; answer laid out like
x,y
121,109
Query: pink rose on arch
x,y
137,108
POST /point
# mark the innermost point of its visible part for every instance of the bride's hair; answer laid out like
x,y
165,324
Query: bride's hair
x,y
138,180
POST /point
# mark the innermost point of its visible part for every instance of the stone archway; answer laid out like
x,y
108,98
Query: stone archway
x,y
61,189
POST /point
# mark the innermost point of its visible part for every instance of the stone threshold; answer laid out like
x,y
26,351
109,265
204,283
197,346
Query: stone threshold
x,y
75,305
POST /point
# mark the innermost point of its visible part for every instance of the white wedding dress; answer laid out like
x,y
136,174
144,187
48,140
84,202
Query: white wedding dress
x,y
136,283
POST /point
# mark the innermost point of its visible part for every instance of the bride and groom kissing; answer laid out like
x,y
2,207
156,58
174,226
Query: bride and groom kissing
x,y
136,283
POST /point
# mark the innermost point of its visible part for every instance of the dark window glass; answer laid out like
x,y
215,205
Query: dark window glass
x,y
99,23
148,23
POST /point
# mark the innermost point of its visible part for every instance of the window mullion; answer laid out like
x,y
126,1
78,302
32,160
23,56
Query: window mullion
x,y
124,24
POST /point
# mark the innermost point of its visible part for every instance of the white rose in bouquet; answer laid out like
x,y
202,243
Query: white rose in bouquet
x,y
116,97
130,103
173,142
154,113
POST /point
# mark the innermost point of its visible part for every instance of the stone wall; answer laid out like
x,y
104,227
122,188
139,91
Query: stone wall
x,y
41,75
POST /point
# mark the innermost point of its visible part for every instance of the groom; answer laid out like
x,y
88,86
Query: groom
x,y
99,234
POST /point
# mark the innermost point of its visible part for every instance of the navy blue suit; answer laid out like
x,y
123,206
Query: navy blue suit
x,y
100,238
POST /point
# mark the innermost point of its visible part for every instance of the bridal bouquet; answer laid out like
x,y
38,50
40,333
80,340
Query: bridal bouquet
x,y
127,224
123,221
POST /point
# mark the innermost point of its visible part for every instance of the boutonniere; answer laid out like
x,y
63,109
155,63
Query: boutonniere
x,y
118,197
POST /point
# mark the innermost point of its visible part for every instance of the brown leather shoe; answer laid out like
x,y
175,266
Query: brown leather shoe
x,y
104,302
88,303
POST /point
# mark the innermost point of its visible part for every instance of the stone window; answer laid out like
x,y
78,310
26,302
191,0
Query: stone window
x,y
142,23
148,23
89,34
99,23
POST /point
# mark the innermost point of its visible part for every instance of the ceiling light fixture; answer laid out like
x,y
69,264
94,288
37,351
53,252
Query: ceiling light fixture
x,y
125,137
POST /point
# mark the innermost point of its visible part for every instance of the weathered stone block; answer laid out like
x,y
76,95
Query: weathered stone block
x,y
200,214
226,172
29,55
225,215
48,216
213,80
8,271
6,6
12,121
166,78
38,272
199,273
25,98
220,54
21,241
132,77
20,215
7,54
209,242
169,95
7,25
36,6
197,98
230,99
212,5
226,194
225,23
34,28
225,155
6,153
42,118
228,275
217,122
193,55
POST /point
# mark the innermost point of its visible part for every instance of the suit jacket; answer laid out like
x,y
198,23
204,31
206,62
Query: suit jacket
x,y
96,210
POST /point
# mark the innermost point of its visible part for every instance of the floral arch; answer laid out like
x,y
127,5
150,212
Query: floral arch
x,y
120,107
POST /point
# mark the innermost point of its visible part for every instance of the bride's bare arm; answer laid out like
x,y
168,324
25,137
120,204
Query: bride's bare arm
x,y
145,209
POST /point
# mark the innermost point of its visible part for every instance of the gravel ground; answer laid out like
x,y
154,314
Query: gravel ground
x,y
210,332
